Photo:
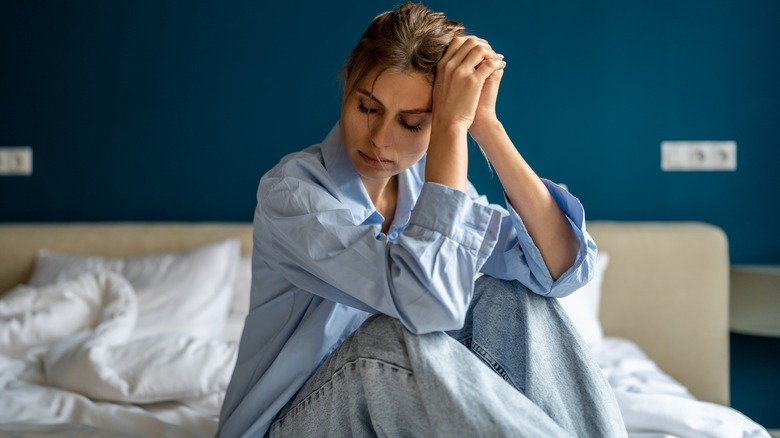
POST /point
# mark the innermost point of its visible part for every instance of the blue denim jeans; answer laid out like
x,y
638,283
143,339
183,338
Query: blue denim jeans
x,y
517,368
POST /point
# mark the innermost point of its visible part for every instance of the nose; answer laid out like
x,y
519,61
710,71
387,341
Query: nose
x,y
381,136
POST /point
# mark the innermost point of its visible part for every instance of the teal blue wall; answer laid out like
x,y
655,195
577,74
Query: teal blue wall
x,y
172,110
147,110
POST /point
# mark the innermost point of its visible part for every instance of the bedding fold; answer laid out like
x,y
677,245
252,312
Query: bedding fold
x,y
81,333
34,318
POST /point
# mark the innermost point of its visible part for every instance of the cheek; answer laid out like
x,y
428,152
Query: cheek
x,y
416,146
353,127
348,120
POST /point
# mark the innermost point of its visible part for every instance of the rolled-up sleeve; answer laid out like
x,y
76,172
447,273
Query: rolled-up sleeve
x,y
516,256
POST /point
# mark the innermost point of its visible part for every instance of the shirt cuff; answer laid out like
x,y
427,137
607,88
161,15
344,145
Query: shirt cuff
x,y
572,208
454,214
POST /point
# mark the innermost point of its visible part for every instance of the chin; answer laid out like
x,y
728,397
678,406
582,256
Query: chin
x,y
371,173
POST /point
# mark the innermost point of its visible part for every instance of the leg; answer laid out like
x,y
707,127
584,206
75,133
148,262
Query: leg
x,y
385,381
530,342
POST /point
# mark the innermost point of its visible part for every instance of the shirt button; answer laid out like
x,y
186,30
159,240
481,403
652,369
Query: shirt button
x,y
393,235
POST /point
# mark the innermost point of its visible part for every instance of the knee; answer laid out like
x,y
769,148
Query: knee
x,y
379,337
381,327
491,287
495,295
487,282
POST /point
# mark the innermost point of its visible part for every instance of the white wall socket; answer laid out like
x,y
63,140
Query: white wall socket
x,y
16,160
698,155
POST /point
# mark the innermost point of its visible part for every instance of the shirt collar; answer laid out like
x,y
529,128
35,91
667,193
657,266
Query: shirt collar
x,y
351,190
354,195
409,186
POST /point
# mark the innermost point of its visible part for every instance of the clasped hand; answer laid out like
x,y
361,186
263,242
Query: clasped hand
x,y
466,86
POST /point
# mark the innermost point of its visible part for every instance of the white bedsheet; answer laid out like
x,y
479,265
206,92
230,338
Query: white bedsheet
x,y
654,405
68,367
66,356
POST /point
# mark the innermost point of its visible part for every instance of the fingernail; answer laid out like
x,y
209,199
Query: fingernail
x,y
500,55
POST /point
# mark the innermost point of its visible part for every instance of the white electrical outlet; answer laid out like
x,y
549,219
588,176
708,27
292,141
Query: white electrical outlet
x,y
16,160
698,155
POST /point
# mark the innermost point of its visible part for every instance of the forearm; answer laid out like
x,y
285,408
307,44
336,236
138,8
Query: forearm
x,y
546,223
447,156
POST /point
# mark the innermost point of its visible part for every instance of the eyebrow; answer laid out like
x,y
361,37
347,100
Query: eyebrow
x,y
411,111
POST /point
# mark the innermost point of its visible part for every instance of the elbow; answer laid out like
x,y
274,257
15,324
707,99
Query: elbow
x,y
577,271
561,290
441,319
441,304
577,277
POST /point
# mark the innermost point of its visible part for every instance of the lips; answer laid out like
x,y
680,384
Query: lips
x,y
372,161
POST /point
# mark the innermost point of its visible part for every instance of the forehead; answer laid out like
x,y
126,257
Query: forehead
x,y
399,90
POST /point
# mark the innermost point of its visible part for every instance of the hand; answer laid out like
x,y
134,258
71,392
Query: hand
x,y
466,86
485,115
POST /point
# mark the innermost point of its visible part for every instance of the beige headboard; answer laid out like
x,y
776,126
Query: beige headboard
x,y
667,289
666,286
19,242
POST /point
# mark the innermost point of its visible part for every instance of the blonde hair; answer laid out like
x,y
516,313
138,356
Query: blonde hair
x,y
409,39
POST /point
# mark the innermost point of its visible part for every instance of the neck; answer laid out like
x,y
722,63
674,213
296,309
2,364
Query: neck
x,y
379,190
384,195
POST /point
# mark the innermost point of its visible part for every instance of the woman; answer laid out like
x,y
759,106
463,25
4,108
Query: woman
x,y
367,315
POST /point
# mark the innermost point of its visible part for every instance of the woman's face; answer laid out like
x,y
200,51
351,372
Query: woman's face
x,y
387,131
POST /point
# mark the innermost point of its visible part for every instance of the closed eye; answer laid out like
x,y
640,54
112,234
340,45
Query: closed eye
x,y
362,108
412,128
368,110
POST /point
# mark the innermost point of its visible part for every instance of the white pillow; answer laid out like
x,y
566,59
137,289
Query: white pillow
x,y
239,307
242,286
582,305
187,292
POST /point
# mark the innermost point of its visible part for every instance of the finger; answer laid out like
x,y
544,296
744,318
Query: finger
x,y
498,58
462,50
488,67
472,52
477,55
454,46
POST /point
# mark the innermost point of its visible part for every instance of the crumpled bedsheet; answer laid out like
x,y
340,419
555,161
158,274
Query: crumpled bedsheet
x,y
654,405
66,356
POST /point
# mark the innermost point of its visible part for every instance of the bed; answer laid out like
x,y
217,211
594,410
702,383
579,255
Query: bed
x,y
130,329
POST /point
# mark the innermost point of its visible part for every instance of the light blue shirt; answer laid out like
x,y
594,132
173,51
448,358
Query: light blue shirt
x,y
321,264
